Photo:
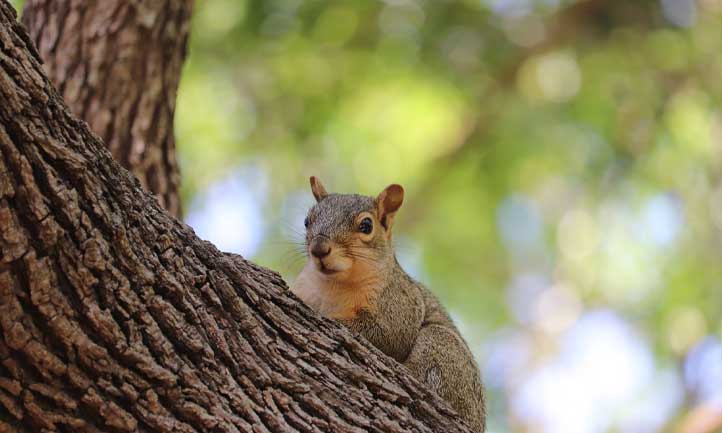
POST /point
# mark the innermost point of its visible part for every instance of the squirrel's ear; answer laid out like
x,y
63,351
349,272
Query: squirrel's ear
x,y
317,188
388,202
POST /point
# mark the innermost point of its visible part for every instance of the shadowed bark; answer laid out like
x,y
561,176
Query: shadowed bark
x,y
115,317
117,64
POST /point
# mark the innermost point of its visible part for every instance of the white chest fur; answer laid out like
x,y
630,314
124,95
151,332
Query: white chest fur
x,y
329,297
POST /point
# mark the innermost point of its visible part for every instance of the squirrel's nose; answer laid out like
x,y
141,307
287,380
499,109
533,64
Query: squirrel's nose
x,y
320,249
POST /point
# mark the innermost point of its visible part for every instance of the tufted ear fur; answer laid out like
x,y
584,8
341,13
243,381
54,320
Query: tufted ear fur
x,y
317,188
388,202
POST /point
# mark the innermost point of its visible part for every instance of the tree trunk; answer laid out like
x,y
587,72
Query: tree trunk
x,y
117,64
115,317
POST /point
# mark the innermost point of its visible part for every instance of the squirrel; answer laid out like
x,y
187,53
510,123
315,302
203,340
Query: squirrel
x,y
352,276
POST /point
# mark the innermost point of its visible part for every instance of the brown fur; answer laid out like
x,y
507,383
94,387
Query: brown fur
x,y
360,283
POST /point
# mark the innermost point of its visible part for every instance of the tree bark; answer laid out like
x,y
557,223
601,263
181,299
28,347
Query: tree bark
x,y
117,64
115,317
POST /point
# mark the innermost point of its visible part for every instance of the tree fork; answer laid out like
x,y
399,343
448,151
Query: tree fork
x,y
116,317
117,64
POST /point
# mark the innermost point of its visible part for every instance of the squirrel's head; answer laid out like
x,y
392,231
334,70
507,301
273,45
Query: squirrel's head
x,y
348,234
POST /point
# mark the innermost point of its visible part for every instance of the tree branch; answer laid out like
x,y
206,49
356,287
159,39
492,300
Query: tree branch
x,y
115,317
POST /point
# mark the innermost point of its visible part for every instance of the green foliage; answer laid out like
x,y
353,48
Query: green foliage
x,y
576,142
603,120
17,4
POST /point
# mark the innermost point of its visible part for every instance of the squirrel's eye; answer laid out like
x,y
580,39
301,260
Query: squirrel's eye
x,y
366,226
305,222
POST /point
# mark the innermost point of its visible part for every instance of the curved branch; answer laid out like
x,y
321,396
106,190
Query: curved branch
x,y
115,317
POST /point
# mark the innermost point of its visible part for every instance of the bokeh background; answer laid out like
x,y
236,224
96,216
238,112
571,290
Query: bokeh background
x,y
562,166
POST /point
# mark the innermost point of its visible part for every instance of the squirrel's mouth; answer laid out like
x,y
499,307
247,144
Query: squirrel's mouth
x,y
326,270
331,264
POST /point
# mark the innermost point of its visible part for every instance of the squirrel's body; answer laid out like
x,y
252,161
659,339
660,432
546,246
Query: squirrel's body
x,y
352,276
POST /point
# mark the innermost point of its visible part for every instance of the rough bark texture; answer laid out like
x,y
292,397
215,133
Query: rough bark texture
x,y
117,64
115,317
